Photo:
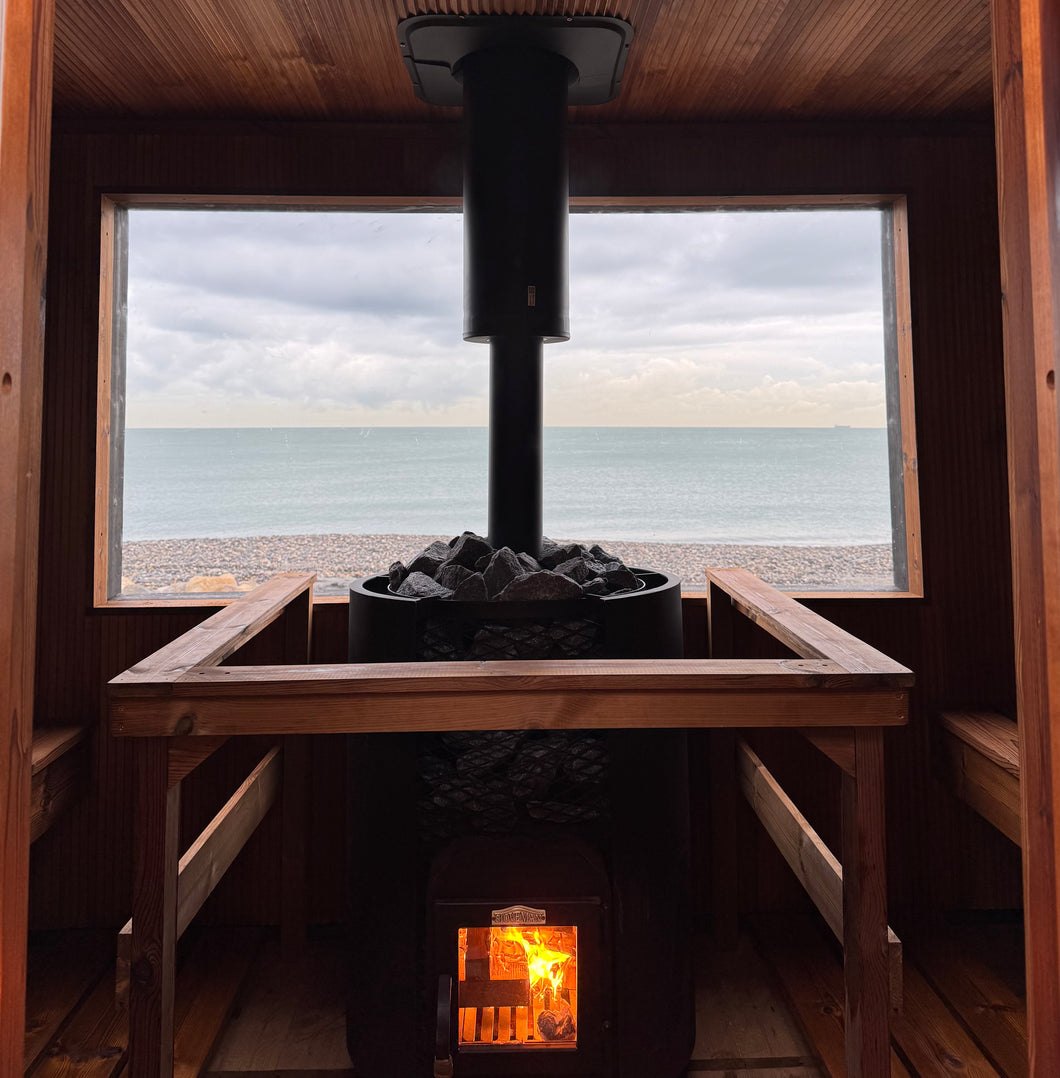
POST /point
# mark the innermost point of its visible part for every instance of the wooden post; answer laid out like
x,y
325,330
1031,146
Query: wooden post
x,y
726,813
295,808
866,968
25,137
1026,51
298,630
156,826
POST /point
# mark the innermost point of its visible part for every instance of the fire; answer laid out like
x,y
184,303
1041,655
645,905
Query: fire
x,y
518,985
544,965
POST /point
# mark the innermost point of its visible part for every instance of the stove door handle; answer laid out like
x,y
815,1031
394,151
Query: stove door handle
x,y
443,1055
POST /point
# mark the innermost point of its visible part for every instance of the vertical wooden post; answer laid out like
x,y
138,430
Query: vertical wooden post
x,y
298,628
866,969
156,828
725,801
1026,51
25,137
295,808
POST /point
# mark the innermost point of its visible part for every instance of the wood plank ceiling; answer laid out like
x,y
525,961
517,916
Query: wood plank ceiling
x,y
691,59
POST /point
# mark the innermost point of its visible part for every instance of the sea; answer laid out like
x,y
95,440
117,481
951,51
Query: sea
x,y
771,486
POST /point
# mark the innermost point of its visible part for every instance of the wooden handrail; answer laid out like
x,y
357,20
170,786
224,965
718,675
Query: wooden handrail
x,y
181,691
806,633
221,634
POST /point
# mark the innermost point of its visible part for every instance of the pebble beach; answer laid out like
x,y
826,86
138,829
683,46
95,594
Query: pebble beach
x,y
153,568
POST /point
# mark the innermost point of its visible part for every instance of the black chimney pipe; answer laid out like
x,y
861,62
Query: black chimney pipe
x,y
515,76
515,260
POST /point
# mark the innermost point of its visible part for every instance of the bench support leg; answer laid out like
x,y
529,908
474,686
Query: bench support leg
x,y
865,955
156,826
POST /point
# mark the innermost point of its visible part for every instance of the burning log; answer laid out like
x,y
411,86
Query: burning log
x,y
556,1026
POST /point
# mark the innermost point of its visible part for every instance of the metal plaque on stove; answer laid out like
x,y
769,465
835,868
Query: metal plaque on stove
x,y
519,915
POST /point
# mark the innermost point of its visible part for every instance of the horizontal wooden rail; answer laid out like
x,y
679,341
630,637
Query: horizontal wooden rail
x,y
813,863
180,690
806,633
59,775
347,705
216,638
981,763
212,853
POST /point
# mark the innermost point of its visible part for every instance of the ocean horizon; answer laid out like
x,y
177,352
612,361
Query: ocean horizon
x,y
795,486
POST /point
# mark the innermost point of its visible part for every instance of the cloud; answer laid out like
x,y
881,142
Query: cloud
x,y
291,318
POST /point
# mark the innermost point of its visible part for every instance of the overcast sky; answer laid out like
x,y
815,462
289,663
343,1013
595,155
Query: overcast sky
x,y
354,319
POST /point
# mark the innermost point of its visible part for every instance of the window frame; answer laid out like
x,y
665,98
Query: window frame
x,y
110,401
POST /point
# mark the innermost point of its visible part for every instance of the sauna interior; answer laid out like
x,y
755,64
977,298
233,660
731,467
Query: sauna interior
x,y
945,111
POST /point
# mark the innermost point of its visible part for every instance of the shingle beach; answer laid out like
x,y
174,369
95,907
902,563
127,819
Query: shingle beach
x,y
168,566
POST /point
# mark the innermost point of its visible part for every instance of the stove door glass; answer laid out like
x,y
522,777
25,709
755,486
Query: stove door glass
x,y
518,987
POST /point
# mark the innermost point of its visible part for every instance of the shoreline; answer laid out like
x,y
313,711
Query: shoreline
x,y
155,567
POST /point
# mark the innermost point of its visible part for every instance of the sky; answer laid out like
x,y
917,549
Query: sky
x,y
291,318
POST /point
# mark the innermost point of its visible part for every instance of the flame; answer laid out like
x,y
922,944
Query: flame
x,y
545,966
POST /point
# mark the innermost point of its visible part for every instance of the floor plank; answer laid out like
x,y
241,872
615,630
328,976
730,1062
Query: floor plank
x,y
930,1039
741,1015
291,1018
813,984
93,1043
995,1015
62,968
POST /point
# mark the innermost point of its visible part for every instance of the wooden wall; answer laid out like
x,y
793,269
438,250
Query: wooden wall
x,y
957,638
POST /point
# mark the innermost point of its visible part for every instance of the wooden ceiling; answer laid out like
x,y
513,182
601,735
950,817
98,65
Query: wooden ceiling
x,y
691,59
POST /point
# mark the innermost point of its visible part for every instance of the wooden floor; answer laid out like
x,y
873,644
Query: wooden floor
x,y
770,1009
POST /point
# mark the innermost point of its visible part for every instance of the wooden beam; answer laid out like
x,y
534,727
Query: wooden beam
x,y
186,753
1026,63
214,639
806,633
866,957
26,29
153,956
346,708
528,675
211,854
837,745
813,863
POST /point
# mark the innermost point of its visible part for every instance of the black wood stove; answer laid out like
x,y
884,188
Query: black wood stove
x,y
518,899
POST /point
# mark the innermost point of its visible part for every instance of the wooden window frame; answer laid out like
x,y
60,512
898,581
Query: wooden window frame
x,y
110,405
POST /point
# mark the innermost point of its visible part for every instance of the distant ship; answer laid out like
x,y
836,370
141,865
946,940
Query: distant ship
x,y
842,426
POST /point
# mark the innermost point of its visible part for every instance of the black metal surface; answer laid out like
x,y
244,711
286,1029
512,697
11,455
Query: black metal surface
x,y
515,457
432,47
515,195
644,624
515,261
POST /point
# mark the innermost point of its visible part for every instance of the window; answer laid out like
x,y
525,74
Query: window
x,y
287,389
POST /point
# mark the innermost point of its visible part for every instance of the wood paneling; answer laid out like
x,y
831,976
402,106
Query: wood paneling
x,y
956,639
1027,110
339,60
25,132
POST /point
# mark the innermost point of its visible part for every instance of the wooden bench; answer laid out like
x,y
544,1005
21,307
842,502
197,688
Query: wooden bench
x,y
59,774
980,761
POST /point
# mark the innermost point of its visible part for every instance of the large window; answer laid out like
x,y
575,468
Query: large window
x,y
288,390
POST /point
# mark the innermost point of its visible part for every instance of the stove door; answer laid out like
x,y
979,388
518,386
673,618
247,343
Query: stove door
x,y
529,991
